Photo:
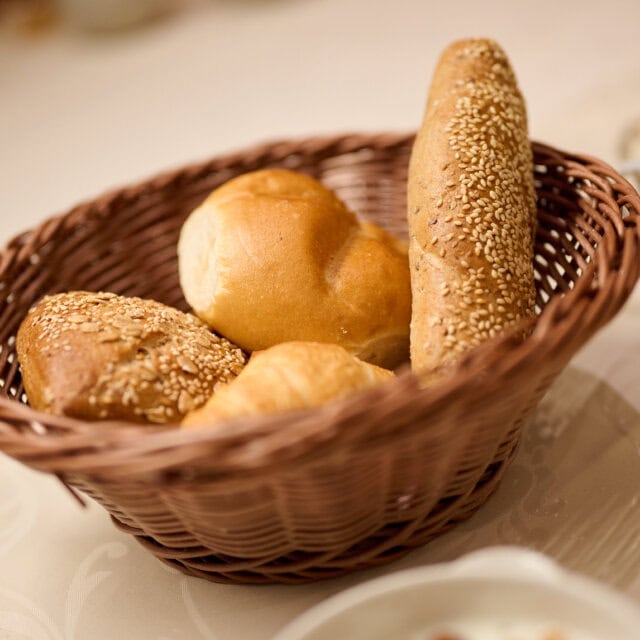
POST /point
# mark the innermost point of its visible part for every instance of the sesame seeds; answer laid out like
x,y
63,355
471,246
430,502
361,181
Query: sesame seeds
x,y
489,271
145,361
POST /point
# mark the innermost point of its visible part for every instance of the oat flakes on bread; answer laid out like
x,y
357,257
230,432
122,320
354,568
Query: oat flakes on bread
x,y
471,207
102,356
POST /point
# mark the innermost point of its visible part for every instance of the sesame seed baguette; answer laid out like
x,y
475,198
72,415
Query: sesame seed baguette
x,y
101,356
471,207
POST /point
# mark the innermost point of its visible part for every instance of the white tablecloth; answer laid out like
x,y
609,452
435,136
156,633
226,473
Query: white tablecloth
x,y
80,114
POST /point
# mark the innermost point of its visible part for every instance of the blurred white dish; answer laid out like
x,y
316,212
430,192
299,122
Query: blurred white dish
x,y
481,595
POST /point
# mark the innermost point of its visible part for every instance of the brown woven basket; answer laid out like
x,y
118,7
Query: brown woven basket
x,y
305,496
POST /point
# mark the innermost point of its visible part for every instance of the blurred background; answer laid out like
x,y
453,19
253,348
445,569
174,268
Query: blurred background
x,y
98,93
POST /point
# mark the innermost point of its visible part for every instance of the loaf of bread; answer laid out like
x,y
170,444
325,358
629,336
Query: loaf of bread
x,y
289,376
273,256
471,207
102,356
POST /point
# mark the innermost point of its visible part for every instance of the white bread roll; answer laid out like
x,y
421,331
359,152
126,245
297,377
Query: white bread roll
x,y
289,376
273,256
471,207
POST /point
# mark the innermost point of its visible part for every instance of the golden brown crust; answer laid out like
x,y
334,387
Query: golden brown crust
x,y
471,207
102,356
273,256
287,377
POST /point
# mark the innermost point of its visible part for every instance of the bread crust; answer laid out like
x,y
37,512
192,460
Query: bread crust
x,y
102,356
273,256
290,376
471,207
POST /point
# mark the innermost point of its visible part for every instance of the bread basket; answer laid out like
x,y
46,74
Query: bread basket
x,y
315,494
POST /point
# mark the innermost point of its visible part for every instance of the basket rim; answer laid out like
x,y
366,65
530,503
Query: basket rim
x,y
255,444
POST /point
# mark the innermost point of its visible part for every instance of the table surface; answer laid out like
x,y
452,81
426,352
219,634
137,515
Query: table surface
x,y
80,114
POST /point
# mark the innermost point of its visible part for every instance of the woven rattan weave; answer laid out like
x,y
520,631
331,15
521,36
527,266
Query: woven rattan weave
x,y
305,496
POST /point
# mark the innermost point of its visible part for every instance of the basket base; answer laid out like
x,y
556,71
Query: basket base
x,y
386,545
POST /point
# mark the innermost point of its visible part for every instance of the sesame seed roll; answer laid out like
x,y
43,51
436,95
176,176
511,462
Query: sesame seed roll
x,y
471,207
102,356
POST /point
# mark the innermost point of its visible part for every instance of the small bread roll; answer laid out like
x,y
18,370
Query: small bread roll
x,y
102,356
289,376
471,207
273,256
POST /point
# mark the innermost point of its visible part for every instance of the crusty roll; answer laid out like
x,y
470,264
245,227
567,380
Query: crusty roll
x,y
273,256
102,356
471,207
289,376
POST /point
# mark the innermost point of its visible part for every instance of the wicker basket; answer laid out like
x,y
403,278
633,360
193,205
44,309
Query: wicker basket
x,y
314,494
